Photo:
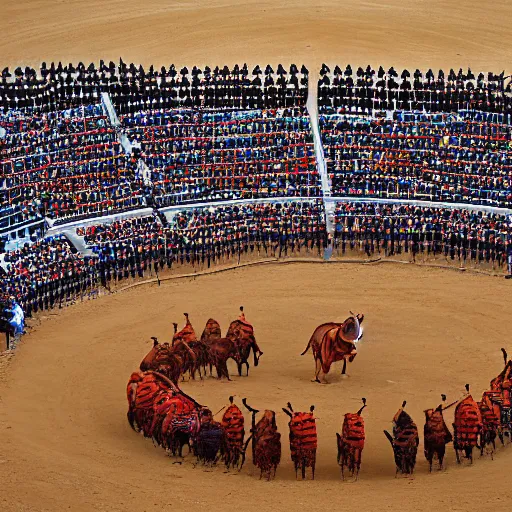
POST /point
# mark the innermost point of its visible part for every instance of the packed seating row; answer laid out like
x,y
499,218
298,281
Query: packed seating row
x,y
368,89
51,273
217,155
464,157
57,87
65,163
394,229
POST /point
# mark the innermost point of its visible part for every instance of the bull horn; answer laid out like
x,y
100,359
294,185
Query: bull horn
x,y
390,438
364,405
248,407
505,355
289,405
155,341
467,387
287,412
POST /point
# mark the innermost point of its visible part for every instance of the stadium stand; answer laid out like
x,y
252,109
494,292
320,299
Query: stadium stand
x,y
220,164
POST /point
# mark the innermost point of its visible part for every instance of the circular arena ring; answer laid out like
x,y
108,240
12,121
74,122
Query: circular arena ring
x,y
302,197
63,396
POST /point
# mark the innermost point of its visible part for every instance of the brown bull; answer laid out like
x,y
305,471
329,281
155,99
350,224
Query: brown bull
x,y
241,333
173,362
436,434
266,442
333,342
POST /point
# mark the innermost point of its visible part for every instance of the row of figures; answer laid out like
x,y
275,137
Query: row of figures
x,y
187,354
161,411
477,424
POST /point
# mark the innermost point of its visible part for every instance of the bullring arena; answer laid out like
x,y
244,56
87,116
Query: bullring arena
x,y
435,302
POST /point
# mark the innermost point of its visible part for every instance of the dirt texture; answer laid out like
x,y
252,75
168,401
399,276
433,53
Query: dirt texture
x,y
66,444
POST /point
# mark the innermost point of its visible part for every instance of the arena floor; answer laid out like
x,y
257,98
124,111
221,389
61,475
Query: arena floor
x,y
412,33
66,442
64,439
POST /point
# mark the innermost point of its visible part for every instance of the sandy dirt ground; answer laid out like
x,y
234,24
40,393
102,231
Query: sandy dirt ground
x,y
64,439
413,33
65,442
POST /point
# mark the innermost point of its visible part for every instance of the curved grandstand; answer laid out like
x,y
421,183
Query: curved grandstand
x,y
112,172
114,175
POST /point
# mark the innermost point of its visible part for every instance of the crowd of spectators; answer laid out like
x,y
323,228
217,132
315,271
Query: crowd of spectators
x,y
64,163
51,273
396,229
204,236
209,135
368,89
47,274
465,157
199,156
132,88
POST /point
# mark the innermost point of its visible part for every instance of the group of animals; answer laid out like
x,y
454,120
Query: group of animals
x,y
159,409
476,425
189,355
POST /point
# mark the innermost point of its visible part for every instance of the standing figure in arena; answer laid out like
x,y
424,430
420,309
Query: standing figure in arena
x,y
241,333
467,427
351,443
405,441
333,342
303,439
436,434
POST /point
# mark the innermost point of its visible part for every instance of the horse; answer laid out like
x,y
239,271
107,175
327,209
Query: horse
x,y
171,361
220,351
331,342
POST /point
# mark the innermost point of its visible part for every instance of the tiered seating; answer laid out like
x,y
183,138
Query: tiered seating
x,y
132,88
217,155
46,274
392,229
367,90
202,236
462,157
64,163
